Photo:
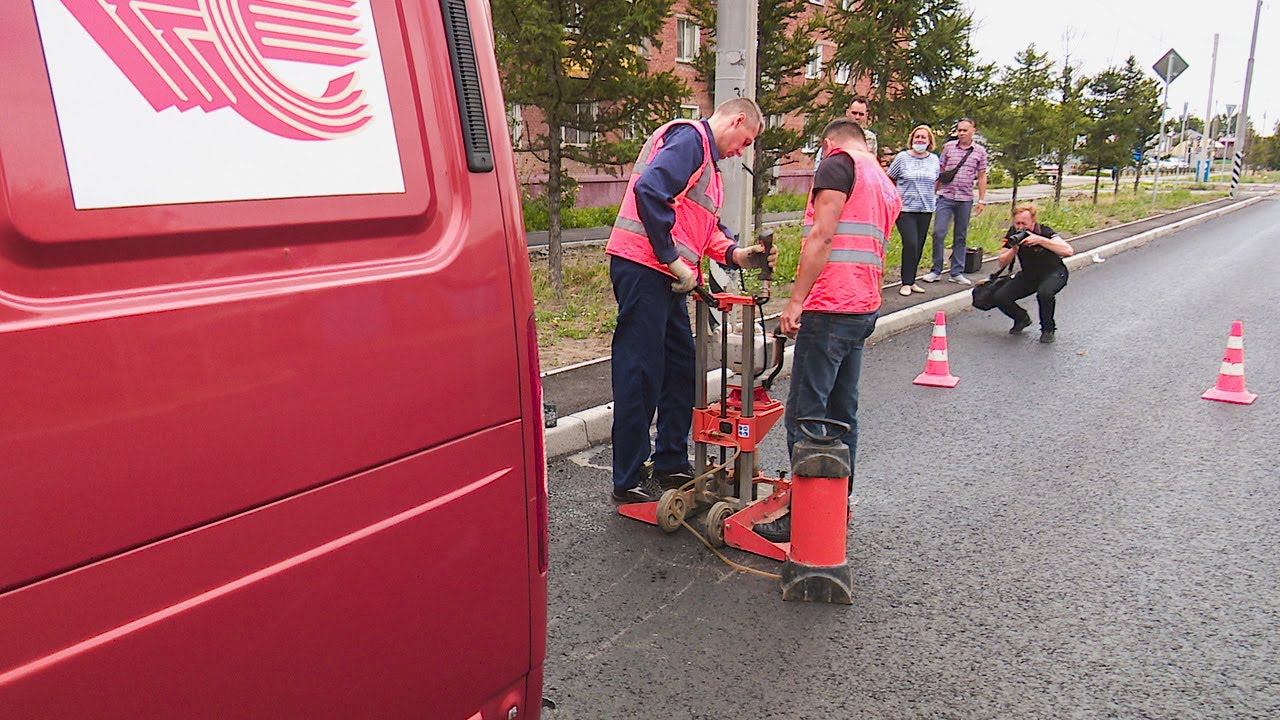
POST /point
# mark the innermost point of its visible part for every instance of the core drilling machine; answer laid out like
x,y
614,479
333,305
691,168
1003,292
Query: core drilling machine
x,y
728,432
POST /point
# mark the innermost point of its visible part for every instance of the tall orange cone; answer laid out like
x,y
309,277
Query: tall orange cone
x,y
1230,387
937,371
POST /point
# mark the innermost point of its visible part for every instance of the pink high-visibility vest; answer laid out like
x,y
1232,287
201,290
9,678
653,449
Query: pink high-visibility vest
x,y
850,281
697,228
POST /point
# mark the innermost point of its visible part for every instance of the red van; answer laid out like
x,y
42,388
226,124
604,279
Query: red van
x,y
270,415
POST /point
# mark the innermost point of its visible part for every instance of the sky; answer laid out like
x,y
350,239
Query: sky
x,y
1099,33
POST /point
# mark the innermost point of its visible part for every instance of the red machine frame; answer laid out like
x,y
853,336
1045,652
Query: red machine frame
x,y
736,425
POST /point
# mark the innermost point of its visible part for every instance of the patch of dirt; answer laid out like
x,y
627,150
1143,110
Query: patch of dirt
x,y
567,351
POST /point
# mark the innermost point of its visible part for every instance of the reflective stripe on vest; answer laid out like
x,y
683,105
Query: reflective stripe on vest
x,y
860,257
851,228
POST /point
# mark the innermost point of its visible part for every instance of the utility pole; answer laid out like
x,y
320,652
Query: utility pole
x,y
1207,142
1182,134
1242,140
736,77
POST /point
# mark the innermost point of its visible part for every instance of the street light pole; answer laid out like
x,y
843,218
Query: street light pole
x,y
1206,144
736,77
1164,108
1242,141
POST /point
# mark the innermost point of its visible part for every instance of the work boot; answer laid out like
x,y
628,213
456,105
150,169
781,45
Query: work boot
x,y
1046,336
1019,326
778,531
646,491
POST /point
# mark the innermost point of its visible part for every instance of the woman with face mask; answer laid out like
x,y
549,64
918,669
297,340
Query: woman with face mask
x,y
915,171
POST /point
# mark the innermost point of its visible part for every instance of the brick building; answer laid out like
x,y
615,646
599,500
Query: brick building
x,y
681,41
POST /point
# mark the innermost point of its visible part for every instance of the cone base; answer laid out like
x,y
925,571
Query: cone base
x,y
1239,398
943,381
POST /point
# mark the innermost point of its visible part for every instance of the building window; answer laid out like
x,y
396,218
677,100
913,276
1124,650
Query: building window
x,y
814,68
842,74
583,113
515,123
846,4
773,121
811,145
690,112
687,36
816,2
635,130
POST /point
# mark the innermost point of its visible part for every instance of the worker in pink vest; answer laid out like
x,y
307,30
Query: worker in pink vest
x,y
667,223
836,295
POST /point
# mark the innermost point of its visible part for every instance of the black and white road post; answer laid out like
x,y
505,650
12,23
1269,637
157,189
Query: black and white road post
x,y
1242,125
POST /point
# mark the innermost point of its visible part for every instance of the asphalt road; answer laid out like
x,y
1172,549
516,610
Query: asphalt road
x,y
1071,532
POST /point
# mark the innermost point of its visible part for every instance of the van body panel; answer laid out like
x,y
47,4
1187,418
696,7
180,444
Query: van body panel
x,y
212,371
327,604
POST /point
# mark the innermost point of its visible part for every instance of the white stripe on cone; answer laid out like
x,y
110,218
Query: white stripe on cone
x,y
937,355
1235,342
1235,369
939,330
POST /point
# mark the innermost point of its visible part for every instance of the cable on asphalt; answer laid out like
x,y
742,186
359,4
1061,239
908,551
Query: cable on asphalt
x,y
736,566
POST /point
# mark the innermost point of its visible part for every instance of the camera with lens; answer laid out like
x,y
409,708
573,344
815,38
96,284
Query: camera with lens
x,y
1016,238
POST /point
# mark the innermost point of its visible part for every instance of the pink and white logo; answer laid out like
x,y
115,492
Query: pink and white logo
x,y
213,54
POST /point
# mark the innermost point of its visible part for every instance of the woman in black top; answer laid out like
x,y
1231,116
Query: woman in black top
x,y
1040,250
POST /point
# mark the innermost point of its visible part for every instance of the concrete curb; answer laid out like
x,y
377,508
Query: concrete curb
x,y
584,429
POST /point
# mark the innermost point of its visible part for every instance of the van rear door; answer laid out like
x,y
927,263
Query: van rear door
x,y
265,367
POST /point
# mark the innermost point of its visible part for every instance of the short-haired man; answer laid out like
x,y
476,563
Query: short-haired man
x,y
667,223
836,295
964,164
860,113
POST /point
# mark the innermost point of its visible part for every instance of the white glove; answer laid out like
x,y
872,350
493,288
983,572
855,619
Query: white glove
x,y
685,279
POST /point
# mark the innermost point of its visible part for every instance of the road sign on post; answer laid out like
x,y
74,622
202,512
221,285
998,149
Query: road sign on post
x,y
1168,67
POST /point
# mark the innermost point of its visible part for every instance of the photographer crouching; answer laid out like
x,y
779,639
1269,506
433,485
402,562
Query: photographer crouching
x,y
1039,250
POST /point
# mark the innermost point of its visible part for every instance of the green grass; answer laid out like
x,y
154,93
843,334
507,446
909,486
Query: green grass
x,y
784,202
587,307
587,310
537,218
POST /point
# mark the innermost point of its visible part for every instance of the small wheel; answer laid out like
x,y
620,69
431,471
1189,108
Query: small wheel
x,y
716,517
671,509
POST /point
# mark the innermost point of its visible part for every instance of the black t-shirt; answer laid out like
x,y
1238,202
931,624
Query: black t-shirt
x,y
835,173
1035,259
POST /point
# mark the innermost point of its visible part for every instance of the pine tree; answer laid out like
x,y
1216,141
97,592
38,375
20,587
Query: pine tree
x,y
915,53
1068,120
1139,115
1105,139
1021,132
582,65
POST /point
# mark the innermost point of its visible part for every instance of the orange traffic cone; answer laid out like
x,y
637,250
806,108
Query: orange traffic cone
x,y
937,372
1230,387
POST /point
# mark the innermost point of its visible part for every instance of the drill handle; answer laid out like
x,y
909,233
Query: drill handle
x,y
765,238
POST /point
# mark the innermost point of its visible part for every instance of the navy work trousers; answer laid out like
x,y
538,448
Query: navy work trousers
x,y
653,368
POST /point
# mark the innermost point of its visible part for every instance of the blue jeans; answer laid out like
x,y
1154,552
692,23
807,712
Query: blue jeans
x,y
948,209
653,369
825,371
